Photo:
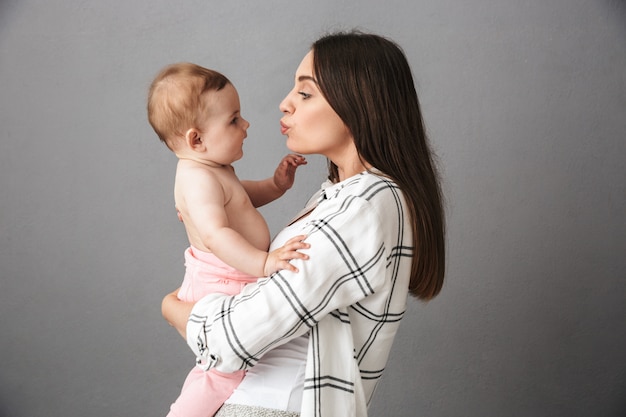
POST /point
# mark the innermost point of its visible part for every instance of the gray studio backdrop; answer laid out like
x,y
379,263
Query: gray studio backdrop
x,y
525,103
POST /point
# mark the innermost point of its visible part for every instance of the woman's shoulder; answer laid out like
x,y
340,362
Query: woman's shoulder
x,y
367,185
368,190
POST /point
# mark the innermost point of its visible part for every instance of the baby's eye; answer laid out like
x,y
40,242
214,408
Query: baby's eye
x,y
234,121
304,95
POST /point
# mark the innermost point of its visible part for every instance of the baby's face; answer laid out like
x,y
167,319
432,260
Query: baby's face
x,y
222,128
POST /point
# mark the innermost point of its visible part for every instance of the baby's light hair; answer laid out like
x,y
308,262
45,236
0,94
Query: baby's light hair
x,y
174,98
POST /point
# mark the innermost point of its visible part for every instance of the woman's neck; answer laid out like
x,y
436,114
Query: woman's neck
x,y
347,170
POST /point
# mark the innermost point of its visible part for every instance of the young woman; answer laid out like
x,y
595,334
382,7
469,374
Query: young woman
x,y
316,342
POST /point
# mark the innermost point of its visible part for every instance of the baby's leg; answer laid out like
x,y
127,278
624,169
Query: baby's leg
x,y
203,393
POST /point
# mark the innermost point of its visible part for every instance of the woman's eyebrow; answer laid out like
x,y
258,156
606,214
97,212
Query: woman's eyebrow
x,y
307,77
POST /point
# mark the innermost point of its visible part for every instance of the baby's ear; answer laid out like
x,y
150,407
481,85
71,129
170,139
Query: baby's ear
x,y
193,139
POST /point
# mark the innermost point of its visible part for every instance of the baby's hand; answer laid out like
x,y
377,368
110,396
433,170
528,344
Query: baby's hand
x,y
285,174
279,258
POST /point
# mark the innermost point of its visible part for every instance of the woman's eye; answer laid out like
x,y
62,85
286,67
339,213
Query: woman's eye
x,y
304,95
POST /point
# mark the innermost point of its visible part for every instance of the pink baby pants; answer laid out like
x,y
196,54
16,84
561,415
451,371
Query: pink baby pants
x,y
204,392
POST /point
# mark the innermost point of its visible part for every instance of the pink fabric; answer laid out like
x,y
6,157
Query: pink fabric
x,y
203,393
207,274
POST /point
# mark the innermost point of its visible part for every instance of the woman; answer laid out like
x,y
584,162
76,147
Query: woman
x,y
376,233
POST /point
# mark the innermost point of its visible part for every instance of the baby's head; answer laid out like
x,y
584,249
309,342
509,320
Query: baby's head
x,y
175,102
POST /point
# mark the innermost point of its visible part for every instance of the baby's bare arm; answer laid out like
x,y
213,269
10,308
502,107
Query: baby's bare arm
x,y
205,218
267,190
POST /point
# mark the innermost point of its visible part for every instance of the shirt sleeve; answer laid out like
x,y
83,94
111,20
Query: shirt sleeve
x,y
347,260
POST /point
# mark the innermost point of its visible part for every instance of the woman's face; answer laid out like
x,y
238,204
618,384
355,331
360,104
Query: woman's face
x,y
310,124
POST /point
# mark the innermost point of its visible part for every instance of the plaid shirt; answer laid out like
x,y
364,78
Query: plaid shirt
x,y
350,295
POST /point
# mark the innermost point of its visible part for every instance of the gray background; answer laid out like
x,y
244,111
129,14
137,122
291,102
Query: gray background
x,y
525,102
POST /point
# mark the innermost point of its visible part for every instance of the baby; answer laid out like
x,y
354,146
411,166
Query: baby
x,y
195,111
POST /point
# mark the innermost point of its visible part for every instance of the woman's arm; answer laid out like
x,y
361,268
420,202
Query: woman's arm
x,y
176,312
348,256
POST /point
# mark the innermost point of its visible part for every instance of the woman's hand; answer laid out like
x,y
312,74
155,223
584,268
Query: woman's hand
x,y
176,312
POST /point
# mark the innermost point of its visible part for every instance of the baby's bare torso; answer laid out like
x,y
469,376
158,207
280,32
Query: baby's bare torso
x,y
241,215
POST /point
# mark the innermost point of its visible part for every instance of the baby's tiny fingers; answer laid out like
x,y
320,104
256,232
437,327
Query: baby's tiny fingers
x,y
290,267
299,255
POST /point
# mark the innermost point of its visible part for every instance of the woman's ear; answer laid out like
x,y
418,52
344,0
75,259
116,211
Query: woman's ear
x,y
194,140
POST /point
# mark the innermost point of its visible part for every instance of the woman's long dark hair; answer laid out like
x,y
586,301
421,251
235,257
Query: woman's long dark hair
x,y
368,82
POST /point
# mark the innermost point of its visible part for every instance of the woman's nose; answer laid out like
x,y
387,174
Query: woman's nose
x,y
285,105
